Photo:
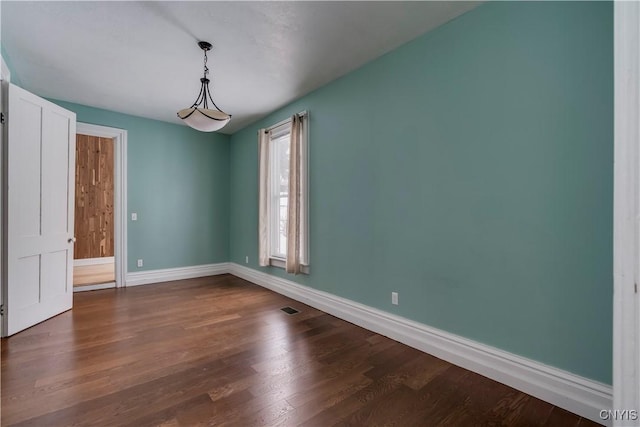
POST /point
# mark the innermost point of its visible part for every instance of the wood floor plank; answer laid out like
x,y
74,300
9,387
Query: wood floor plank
x,y
219,351
93,274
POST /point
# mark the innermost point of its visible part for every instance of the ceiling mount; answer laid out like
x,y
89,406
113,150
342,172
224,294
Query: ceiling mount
x,y
205,45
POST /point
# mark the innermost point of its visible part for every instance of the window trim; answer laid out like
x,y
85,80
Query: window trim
x,y
282,263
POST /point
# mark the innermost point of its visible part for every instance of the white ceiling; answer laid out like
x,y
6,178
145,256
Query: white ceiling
x,y
141,58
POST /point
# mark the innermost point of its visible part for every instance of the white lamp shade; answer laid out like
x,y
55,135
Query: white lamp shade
x,y
197,118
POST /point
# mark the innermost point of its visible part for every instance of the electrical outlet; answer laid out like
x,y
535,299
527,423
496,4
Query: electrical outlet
x,y
394,298
246,260
139,263
134,216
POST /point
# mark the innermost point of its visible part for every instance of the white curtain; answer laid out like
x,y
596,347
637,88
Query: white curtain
x,y
263,191
294,217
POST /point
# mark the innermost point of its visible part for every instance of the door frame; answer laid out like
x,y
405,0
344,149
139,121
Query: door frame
x,y
626,210
5,79
119,194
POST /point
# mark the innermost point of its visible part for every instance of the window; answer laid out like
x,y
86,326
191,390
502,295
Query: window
x,y
284,194
279,191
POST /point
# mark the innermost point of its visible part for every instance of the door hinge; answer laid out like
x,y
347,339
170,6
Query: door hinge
x,y
635,288
2,310
1,118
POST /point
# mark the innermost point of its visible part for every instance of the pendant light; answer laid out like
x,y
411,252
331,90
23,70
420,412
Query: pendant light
x,y
199,116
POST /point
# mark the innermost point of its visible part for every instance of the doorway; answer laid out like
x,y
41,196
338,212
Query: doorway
x,y
93,254
100,214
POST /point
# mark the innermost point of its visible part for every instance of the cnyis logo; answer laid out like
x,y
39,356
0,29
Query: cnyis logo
x,y
619,414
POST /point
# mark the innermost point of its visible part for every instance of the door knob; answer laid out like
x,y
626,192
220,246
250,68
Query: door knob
x,y
71,240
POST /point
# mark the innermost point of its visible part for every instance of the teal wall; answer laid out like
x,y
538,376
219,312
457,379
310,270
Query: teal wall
x,y
471,171
178,183
15,79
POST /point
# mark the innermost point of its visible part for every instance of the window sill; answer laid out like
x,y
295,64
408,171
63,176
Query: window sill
x,y
281,263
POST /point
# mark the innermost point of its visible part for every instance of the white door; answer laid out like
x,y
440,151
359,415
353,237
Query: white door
x,y
40,207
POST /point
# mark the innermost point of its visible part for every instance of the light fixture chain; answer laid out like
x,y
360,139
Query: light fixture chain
x,y
206,69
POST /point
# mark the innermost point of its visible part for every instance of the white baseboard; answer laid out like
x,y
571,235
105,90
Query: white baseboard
x,y
93,261
169,274
96,287
572,392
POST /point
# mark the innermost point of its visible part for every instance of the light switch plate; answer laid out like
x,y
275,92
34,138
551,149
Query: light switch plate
x,y
134,216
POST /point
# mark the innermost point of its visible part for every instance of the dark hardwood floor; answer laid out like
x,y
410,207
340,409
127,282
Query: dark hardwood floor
x,y
219,351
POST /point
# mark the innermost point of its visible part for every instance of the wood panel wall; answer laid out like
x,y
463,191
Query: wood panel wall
x,y
94,197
